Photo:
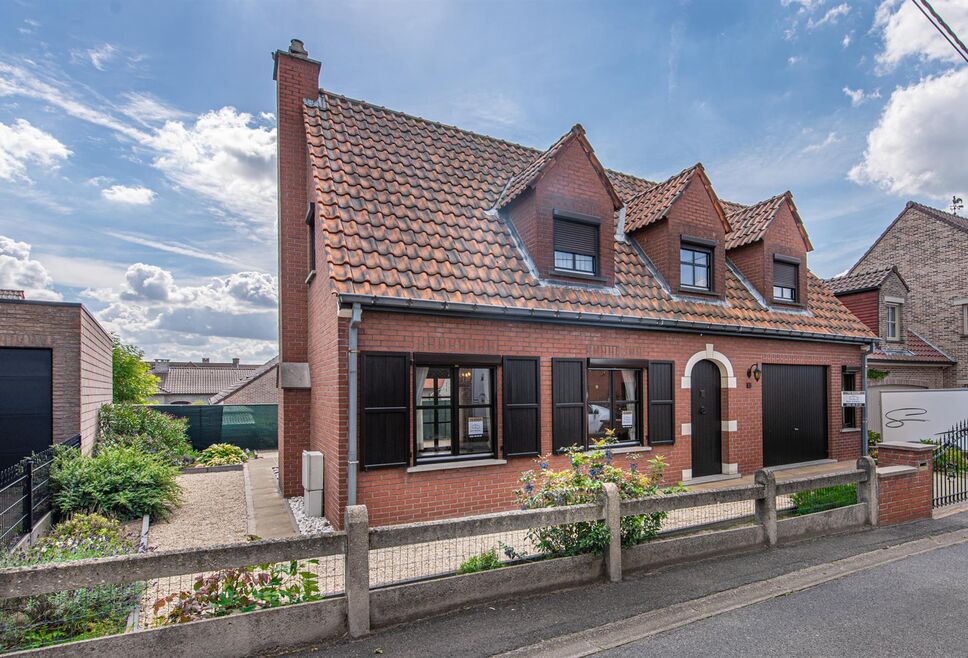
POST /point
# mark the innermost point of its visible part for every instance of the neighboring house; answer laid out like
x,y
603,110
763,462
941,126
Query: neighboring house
x,y
905,359
453,305
259,387
188,382
55,372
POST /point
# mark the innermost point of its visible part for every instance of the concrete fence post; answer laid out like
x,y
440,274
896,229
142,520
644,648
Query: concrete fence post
x,y
613,518
867,492
356,571
766,506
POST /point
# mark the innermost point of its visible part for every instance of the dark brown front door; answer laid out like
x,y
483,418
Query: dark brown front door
x,y
707,424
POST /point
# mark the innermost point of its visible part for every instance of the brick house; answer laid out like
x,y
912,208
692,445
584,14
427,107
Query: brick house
x,y
55,373
452,305
191,382
929,248
905,359
259,387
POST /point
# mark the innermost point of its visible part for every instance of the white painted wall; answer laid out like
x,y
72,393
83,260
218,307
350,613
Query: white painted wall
x,y
924,414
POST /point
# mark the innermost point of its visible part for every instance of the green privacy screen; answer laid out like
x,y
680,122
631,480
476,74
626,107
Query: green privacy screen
x,y
253,426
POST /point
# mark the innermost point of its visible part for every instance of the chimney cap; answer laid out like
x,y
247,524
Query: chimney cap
x,y
297,48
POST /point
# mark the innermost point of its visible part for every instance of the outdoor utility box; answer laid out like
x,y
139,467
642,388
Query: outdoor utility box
x,y
312,481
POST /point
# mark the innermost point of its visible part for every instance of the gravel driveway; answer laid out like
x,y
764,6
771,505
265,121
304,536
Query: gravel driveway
x,y
212,512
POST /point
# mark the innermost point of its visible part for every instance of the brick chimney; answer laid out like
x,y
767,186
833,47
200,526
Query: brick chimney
x,y
236,361
297,79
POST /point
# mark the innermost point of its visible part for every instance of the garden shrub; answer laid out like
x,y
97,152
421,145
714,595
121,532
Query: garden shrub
x,y
147,430
584,483
222,454
873,438
819,500
119,481
947,458
483,562
46,619
240,590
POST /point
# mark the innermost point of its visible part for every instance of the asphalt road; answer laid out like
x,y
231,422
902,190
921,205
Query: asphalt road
x,y
917,606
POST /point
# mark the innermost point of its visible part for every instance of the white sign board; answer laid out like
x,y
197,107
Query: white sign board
x,y
923,414
475,427
627,419
853,398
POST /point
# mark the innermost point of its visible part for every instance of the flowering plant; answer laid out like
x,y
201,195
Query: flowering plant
x,y
584,482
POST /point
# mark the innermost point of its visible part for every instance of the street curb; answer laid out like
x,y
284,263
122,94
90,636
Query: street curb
x,y
615,634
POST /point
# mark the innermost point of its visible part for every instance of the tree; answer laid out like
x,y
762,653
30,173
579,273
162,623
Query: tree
x,y
133,381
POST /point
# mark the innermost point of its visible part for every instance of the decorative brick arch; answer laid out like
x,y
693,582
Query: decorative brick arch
x,y
725,367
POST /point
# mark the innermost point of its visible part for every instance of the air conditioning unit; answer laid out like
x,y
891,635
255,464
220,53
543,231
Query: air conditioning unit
x,y
312,481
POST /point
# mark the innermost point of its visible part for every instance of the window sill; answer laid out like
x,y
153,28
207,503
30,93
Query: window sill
x,y
849,429
787,302
628,449
578,275
705,292
445,466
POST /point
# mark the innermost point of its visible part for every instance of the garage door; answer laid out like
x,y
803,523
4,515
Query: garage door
x,y
25,403
794,414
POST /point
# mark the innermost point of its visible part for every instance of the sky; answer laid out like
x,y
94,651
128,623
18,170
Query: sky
x,y
137,139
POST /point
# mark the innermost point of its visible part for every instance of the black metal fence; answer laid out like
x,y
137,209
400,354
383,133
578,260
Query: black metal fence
x,y
950,461
25,492
250,426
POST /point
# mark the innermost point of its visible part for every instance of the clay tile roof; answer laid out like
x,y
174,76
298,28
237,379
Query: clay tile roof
x,y
406,215
11,294
951,219
750,222
848,283
250,377
522,180
913,349
652,204
202,379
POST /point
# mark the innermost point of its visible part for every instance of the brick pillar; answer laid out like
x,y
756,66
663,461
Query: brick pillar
x,y
297,78
905,480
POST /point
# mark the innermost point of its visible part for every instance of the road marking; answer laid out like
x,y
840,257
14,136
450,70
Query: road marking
x,y
618,633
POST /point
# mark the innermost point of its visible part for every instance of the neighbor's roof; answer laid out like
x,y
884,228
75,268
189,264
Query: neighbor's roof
x,y
12,294
862,281
407,211
914,349
202,379
251,376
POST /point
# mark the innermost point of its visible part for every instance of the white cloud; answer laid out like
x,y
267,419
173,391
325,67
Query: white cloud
x,y
18,271
130,195
78,272
831,16
845,42
859,96
98,56
226,156
179,248
831,139
906,32
234,315
805,6
21,143
146,108
920,143
793,60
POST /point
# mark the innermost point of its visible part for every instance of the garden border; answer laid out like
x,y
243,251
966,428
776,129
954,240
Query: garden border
x,y
362,606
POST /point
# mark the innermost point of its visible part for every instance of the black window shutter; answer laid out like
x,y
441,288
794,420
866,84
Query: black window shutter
x,y
568,400
785,274
662,403
522,405
576,237
385,405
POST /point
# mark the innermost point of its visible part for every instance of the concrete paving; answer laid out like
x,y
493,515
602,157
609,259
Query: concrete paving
x,y
913,607
268,512
501,627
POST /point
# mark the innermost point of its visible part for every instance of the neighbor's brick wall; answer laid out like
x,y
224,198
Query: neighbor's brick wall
x,y
96,376
932,258
905,497
56,327
865,306
571,183
297,79
393,495
908,375
894,288
261,390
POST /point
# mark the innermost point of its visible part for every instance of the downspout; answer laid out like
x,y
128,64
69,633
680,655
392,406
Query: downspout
x,y
353,451
863,421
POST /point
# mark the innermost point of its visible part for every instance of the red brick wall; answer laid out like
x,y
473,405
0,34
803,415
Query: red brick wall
x,y
80,354
296,79
393,495
96,385
864,305
750,260
571,183
755,261
904,497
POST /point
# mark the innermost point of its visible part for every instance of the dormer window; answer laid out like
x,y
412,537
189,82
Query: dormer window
x,y
576,244
695,266
786,278
892,323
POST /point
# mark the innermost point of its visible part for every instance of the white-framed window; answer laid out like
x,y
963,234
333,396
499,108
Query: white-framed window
x,y
892,329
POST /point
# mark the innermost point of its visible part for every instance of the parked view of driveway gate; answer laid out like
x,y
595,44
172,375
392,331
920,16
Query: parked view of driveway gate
x,y
356,600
